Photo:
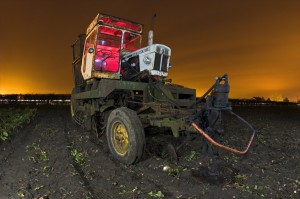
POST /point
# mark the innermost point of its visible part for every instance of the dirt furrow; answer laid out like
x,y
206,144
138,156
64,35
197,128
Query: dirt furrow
x,y
52,158
33,165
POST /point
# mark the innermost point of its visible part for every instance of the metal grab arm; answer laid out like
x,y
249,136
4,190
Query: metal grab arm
x,y
216,144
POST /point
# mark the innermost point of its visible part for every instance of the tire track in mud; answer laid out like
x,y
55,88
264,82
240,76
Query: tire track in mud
x,y
117,180
77,167
24,174
148,174
134,173
111,175
8,147
11,156
102,175
105,177
86,183
139,176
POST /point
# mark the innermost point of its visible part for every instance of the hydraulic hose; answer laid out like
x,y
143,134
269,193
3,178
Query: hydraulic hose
x,y
226,148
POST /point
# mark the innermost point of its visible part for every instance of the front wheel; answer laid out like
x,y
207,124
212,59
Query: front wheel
x,y
125,135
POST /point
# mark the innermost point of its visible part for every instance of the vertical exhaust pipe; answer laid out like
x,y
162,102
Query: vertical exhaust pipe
x,y
150,33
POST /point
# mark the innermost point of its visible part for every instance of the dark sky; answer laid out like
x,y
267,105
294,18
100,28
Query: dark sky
x,y
256,42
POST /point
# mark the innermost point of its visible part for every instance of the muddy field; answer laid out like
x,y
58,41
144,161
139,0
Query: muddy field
x,y
52,158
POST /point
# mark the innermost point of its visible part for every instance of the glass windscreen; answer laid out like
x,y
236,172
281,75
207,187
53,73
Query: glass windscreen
x,y
132,42
107,52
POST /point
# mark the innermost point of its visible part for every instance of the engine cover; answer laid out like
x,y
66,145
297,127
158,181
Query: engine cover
x,y
154,58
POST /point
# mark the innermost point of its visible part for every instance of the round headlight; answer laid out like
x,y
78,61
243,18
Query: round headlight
x,y
147,60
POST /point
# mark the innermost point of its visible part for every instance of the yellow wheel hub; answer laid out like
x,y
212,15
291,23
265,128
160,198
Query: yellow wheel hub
x,y
120,138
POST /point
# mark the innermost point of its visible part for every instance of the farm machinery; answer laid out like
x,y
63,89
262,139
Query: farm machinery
x,y
121,89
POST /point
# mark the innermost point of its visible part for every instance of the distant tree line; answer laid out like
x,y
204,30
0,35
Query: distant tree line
x,y
42,97
260,101
285,99
47,98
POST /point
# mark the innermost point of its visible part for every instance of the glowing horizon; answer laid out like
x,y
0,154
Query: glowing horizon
x,y
256,43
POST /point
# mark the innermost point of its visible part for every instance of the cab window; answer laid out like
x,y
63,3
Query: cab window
x,y
108,46
132,42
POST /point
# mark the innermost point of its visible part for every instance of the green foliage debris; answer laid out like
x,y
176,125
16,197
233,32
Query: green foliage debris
x,y
191,156
158,194
11,118
37,154
79,157
176,171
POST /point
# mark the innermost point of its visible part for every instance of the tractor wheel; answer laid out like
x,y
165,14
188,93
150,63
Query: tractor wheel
x,y
125,135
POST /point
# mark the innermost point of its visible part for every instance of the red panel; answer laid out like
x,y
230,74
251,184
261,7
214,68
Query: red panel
x,y
110,31
107,59
121,24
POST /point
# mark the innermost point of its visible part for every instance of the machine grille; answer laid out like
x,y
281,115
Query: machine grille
x,y
164,63
163,60
157,61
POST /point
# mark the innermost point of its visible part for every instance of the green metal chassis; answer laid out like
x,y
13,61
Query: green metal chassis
x,y
162,114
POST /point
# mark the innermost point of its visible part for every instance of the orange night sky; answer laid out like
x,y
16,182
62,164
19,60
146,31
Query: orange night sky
x,y
256,42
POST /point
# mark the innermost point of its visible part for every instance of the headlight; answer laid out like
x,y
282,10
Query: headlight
x,y
103,64
147,60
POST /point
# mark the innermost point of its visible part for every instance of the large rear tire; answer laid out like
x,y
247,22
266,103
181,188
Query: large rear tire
x,y
125,135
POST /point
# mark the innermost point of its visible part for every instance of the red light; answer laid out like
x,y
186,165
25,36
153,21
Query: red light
x,y
110,31
122,24
107,59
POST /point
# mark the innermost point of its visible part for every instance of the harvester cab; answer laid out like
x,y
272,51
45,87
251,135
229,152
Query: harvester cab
x,y
113,50
121,91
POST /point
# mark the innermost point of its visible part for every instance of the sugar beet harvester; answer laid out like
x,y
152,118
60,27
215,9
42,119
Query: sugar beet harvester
x,y
122,90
